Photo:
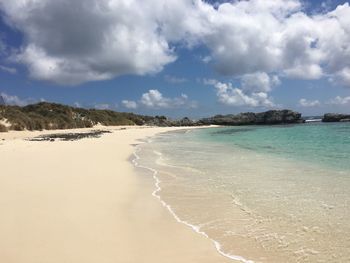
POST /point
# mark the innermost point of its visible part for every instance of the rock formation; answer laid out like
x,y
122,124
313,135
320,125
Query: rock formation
x,y
250,118
336,117
163,121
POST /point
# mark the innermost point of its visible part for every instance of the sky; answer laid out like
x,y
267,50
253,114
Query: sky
x,y
177,57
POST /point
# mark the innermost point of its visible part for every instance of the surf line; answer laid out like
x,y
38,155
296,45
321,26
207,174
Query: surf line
x,y
195,228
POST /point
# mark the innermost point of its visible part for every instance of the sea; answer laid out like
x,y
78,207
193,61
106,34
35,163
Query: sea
x,y
260,193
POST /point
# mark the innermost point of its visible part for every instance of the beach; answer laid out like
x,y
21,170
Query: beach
x,y
264,193
82,201
203,131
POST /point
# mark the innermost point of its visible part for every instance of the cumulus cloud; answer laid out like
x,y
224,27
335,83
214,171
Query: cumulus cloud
x,y
77,104
277,36
231,96
8,69
339,100
103,106
309,103
342,77
130,104
259,82
254,90
15,100
154,99
70,42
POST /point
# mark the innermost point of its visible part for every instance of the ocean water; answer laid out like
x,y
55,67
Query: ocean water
x,y
261,193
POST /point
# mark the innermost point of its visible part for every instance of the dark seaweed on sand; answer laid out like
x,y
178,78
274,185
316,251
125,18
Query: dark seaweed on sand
x,y
69,136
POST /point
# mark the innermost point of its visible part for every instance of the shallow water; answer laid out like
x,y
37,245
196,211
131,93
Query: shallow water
x,y
265,193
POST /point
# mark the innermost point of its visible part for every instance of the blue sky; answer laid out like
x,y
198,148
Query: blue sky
x,y
196,60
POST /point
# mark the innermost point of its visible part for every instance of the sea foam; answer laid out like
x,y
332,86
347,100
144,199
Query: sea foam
x,y
195,228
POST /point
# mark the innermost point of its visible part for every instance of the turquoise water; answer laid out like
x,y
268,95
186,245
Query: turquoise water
x,y
263,193
320,143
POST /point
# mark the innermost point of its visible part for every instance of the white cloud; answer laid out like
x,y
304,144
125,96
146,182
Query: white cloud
x,y
259,82
15,100
276,36
339,100
342,77
3,45
175,80
8,69
309,103
103,106
130,104
56,69
326,5
228,95
307,72
207,81
70,42
77,104
155,99
206,59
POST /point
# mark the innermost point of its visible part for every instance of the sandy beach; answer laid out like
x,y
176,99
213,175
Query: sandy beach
x,y
81,201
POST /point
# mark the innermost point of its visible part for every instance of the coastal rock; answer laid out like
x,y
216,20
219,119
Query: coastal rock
x,y
250,118
160,121
49,116
185,122
336,117
163,121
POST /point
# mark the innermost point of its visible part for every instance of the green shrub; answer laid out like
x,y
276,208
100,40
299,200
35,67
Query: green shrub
x,y
46,115
3,128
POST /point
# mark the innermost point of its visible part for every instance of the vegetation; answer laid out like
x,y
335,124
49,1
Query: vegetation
x,y
50,116
3,128
69,136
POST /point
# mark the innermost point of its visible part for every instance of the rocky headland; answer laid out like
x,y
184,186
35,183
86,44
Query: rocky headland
x,y
250,118
49,116
336,117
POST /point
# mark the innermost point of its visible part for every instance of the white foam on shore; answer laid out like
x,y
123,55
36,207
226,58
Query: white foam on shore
x,y
155,193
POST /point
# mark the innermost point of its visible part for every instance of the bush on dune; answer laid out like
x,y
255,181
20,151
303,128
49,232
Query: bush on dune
x,y
50,116
3,128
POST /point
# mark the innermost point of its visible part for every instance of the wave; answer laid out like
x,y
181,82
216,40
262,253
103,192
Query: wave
x,y
195,228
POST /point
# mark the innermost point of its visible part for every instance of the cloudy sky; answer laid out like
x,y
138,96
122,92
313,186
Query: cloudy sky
x,y
177,57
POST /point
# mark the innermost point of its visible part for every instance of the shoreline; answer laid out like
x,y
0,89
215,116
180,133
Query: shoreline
x,y
82,201
194,228
248,198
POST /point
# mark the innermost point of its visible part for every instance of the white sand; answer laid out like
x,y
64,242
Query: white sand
x,y
81,201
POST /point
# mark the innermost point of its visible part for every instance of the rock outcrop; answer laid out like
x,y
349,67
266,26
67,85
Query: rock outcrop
x,y
185,122
336,117
49,116
163,121
250,118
